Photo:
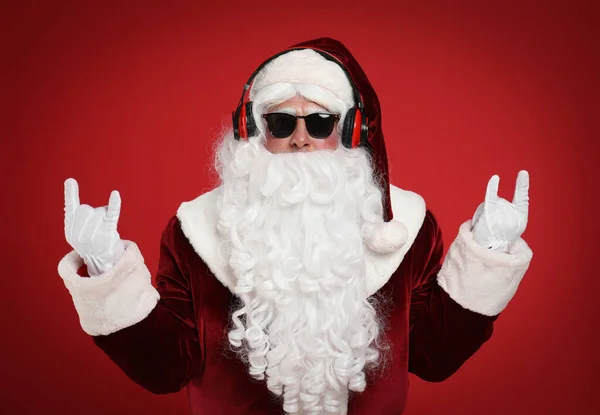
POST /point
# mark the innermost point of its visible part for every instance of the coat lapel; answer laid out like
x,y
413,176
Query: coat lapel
x,y
199,218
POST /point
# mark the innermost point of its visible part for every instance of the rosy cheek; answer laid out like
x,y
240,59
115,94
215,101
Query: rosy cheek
x,y
277,145
329,143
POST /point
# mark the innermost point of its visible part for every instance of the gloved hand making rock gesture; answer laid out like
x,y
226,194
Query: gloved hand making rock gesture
x,y
497,223
92,232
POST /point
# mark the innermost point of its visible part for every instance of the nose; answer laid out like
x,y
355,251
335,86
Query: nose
x,y
300,139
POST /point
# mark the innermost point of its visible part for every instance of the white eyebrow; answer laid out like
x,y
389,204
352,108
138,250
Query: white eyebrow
x,y
313,110
297,110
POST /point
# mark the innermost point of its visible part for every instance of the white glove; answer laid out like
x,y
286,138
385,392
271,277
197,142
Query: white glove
x,y
93,232
497,223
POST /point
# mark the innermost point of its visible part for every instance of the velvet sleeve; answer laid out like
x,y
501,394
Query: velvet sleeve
x,y
161,352
443,334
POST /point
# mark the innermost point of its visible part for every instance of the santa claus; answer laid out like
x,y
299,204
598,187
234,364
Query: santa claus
x,y
306,282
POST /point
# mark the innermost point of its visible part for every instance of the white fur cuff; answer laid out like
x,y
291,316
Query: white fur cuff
x,y
114,300
480,279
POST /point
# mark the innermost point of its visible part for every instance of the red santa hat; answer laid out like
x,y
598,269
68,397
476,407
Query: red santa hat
x,y
307,67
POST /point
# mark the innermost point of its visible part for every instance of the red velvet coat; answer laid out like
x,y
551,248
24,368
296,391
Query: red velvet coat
x,y
183,342
439,312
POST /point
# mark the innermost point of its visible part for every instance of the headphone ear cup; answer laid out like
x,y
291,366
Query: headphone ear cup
x,y
235,122
250,123
364,129
348,128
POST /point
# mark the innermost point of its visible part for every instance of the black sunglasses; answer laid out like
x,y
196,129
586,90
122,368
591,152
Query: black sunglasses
x,y
318,125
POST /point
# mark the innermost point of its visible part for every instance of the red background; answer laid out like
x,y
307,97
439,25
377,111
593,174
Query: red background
x,y
130,97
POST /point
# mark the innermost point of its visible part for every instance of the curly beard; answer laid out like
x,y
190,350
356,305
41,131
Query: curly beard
x,y
291,224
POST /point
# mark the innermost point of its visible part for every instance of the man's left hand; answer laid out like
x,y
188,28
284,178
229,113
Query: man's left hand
x,y
497,223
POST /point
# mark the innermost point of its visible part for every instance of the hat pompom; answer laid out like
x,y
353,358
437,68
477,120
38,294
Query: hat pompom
x,y
385,237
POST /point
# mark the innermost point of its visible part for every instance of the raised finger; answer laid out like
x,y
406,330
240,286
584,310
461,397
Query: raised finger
x,y
71,196
491,193
521,196
114,208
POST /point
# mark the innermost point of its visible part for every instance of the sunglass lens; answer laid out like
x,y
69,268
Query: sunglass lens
x,y
320,125
281,125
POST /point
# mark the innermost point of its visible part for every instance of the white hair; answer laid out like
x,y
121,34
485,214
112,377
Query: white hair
x,y
291,226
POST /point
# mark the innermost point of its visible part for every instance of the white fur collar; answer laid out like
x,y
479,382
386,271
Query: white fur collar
x,y
199,218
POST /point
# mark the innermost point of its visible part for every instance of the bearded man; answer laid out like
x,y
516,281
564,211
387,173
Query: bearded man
x,y
326,280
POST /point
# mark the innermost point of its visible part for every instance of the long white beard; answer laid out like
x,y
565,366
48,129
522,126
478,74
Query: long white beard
x,y
292,227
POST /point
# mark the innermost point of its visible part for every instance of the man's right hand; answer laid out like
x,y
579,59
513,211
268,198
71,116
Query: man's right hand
x,y
92,232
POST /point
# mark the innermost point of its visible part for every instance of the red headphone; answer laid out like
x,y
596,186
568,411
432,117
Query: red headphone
x,y
356,128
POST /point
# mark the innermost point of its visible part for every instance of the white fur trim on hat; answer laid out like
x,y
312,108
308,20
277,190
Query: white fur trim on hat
x,y
307,67
385,237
